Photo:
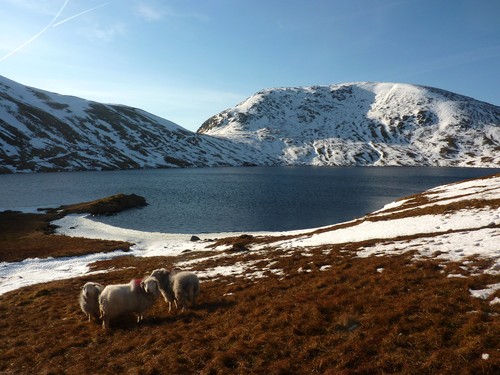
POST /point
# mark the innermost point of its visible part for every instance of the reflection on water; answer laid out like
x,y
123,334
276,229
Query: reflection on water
x,y
233,199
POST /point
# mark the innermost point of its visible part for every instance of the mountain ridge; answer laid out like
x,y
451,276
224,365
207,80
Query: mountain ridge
x,y
365,124
44,131
336,125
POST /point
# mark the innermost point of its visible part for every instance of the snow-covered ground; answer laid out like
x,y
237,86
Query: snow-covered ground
x,y
363,123
453,227
15,275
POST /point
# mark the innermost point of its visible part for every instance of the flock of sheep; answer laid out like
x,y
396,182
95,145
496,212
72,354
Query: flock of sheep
x,y
112,301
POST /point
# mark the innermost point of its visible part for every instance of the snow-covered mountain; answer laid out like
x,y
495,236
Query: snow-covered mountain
x,y
347,124
364,124
44,131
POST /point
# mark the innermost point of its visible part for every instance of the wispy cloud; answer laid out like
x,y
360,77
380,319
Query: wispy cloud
x,y
35,6
81,14
34,37
101,34
151,13
106,34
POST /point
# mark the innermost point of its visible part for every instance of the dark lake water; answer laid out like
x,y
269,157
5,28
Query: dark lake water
x,y
208,200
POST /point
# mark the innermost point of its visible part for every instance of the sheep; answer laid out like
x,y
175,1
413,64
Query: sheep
x,y
163,276
177,287
89,299
186,287
135,297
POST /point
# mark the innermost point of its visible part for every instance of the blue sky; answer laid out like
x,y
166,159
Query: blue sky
x,y
186,60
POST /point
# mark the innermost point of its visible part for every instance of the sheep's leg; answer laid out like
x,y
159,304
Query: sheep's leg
x,y
105,323
191,296
183,302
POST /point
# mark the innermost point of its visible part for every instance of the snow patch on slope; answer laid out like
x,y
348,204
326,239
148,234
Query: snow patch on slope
x,y
364,124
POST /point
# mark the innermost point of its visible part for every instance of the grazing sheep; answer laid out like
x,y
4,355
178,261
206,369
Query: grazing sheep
x,y
177,287
163,276
186,287
89,299
135,297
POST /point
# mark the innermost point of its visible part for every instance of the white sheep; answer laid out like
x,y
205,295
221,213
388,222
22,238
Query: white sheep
x,y
177,287
163,277
89,299
135,297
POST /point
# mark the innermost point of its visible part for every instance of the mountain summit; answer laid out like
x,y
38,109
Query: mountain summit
x,y
364,124
346,124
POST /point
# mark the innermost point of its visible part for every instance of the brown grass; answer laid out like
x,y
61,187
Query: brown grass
x,y
377,315
30,235
351,319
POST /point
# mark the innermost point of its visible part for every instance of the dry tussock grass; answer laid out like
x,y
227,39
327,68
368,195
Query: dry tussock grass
x,y
352,319
29,236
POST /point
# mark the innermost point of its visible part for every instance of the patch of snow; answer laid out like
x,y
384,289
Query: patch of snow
x,y
485,293
30,271
303,270
236,269
449,247
367,230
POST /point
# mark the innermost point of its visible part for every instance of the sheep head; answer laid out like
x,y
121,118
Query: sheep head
x,y
161,274
150,286
91,290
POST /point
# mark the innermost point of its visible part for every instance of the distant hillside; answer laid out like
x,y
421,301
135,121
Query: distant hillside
x,y
44,131
364,124
348,124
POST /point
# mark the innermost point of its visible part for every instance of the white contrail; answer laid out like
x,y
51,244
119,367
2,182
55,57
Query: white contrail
x,y
37,35
81,13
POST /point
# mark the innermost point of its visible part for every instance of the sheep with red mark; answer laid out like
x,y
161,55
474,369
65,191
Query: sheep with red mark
x,y
136,297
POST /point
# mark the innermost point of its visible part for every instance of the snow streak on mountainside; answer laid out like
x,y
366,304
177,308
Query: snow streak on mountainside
x,y
43,131
364,124
347,124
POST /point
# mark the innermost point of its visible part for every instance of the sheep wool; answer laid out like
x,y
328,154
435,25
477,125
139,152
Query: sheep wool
x,y
163,276
89,299
133,298
178,287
